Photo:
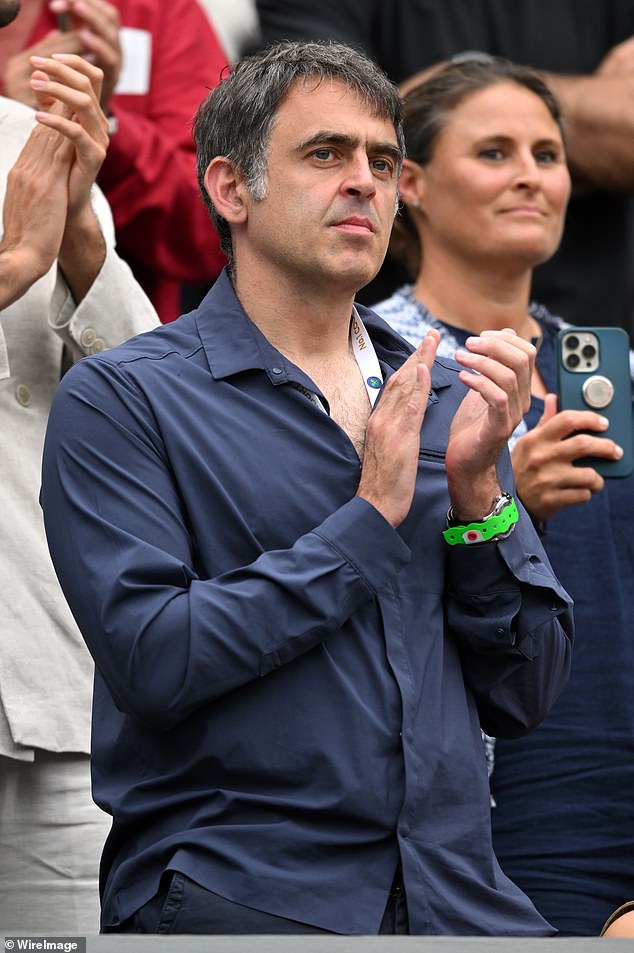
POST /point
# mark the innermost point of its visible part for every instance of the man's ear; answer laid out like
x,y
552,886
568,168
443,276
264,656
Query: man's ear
x,y
411,184
226,189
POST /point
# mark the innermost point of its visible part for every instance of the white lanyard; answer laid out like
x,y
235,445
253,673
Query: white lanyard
x,y
367,362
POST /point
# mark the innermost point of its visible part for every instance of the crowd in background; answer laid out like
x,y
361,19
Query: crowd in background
x,y
563,820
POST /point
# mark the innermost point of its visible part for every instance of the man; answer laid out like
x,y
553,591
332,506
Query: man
x,y
158,61
293,663
587,52
64,293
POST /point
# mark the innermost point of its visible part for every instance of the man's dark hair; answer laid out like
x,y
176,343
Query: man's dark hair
x,y
237,118
426,110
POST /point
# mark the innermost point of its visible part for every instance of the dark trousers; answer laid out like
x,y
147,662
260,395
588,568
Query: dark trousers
x,y
183,906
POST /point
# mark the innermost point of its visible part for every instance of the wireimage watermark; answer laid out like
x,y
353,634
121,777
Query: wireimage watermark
x,y
68,944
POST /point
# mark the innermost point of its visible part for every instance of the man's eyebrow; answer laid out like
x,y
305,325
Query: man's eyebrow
x,y
328,137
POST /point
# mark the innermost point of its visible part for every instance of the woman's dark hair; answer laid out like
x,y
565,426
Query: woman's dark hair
x,y
425,112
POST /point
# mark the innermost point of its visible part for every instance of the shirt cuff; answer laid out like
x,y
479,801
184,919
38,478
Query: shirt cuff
x,y
366,540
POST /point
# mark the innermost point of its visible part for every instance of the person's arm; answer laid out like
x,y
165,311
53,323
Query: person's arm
x,y
69,81
34,212
513,625
510,617
98,303
598,112
19,269
166,639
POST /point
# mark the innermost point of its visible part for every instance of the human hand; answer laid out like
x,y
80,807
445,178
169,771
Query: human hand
x,y
97,24
17,74
390,461
35,205
498,398
69,86
545,477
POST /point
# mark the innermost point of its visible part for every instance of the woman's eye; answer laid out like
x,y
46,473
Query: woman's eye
x,y
493,152
545,156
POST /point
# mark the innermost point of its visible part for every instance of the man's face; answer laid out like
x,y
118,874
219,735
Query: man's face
x,y
331,196
9,10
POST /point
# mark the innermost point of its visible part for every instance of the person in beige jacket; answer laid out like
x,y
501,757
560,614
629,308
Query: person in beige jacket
x,y
64,294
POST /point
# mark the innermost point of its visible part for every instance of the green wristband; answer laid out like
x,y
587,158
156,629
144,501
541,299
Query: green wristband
x,y
494,527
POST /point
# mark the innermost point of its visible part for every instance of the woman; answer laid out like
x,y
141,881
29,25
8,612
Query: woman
x,y
485,190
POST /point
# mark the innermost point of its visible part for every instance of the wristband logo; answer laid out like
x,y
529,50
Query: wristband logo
x,y
473,536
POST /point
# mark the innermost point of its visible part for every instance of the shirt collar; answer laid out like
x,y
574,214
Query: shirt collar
x,y
233,343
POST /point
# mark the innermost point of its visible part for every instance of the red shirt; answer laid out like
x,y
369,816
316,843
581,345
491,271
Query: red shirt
x,y
149,174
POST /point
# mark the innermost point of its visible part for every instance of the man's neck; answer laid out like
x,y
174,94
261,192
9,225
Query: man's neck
x,y
306,325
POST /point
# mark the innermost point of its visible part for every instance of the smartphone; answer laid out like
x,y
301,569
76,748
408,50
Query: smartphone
x,y
593,373
63,22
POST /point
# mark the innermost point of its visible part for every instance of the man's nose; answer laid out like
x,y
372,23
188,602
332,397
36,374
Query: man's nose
x,y
359,179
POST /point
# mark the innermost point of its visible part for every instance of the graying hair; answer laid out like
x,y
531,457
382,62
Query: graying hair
x,y
237,117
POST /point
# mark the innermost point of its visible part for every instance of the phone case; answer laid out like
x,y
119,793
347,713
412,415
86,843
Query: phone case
x,y
582,389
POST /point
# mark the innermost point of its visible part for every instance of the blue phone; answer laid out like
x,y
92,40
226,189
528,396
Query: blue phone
x,y
593,373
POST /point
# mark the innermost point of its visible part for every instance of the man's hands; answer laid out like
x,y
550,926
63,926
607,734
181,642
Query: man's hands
x,y
543,459
498,398
390,461
94,34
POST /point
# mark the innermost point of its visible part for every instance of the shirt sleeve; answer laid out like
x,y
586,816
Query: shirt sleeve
x,y
166,640
115,307
514,627
149,174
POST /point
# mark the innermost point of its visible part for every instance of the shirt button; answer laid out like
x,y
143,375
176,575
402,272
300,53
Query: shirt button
x,y
500,633
87,337
277,370
98,345
23,395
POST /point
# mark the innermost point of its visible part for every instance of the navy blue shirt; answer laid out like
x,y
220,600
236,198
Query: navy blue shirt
x,y
289,691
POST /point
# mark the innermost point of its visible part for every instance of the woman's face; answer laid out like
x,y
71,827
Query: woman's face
x,y
497,183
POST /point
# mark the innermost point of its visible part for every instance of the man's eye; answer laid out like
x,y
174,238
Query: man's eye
x,y
323,154
382,165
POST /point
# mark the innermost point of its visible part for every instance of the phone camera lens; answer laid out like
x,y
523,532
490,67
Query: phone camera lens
x,y
589,351
572,361
572,342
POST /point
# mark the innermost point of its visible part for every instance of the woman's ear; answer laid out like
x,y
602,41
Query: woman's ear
x,y
411,184
226,189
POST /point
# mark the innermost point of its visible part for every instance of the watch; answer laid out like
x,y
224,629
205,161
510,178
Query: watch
x,y
498,524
